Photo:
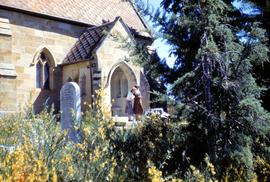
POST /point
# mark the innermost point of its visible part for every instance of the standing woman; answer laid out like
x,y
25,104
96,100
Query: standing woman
x,y
137,108
129,109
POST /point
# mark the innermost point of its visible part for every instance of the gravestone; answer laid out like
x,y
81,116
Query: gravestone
x,y
70,105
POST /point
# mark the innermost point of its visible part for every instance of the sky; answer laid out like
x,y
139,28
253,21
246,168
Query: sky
x,y
246,8
162,48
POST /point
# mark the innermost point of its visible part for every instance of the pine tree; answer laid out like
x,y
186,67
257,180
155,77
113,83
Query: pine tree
x,y
213,82
261,71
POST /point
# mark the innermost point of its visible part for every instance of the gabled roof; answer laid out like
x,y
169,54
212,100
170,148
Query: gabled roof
x,y
88,42
91,12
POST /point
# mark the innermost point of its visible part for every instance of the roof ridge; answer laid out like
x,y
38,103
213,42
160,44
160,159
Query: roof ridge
x,y
93,36
103,25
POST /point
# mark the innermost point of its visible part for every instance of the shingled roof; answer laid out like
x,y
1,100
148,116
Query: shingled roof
x,y
87,42
92,12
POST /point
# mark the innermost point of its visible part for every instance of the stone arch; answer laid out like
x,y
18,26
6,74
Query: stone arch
x,y
48,53
124,65
44,70
120,80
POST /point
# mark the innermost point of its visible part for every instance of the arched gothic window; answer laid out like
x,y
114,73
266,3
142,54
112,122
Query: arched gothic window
x,y
43,72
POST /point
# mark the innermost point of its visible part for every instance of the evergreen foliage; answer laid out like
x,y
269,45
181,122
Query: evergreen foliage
x,y
261,71
214,84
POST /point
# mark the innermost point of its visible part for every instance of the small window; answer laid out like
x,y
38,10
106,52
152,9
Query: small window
x,y
43,72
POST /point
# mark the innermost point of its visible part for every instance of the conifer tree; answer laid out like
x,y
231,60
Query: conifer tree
x,y
213,83
262,8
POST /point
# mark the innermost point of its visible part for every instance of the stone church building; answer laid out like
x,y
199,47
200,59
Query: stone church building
x,y
46,43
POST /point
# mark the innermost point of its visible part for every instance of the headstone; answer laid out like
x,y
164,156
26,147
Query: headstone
x,y
70,105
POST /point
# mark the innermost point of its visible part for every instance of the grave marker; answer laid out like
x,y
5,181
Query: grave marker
x,y
70,105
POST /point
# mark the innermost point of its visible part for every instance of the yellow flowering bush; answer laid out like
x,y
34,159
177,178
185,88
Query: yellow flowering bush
x,y
155,175
33,147
24,165
28,145
263,169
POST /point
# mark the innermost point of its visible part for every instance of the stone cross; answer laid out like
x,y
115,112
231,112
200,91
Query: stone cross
x,y
70,105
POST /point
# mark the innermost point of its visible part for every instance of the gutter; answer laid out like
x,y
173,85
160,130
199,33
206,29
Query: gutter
x,y
80,61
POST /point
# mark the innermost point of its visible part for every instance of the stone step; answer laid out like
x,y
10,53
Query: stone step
x,y
123,123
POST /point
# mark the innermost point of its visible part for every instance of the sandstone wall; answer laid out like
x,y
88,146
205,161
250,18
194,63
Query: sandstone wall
x,y
80,73
28,35
8,94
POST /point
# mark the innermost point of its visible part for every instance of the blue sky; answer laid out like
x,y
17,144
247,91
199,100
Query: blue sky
x,y
163,49
246,8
